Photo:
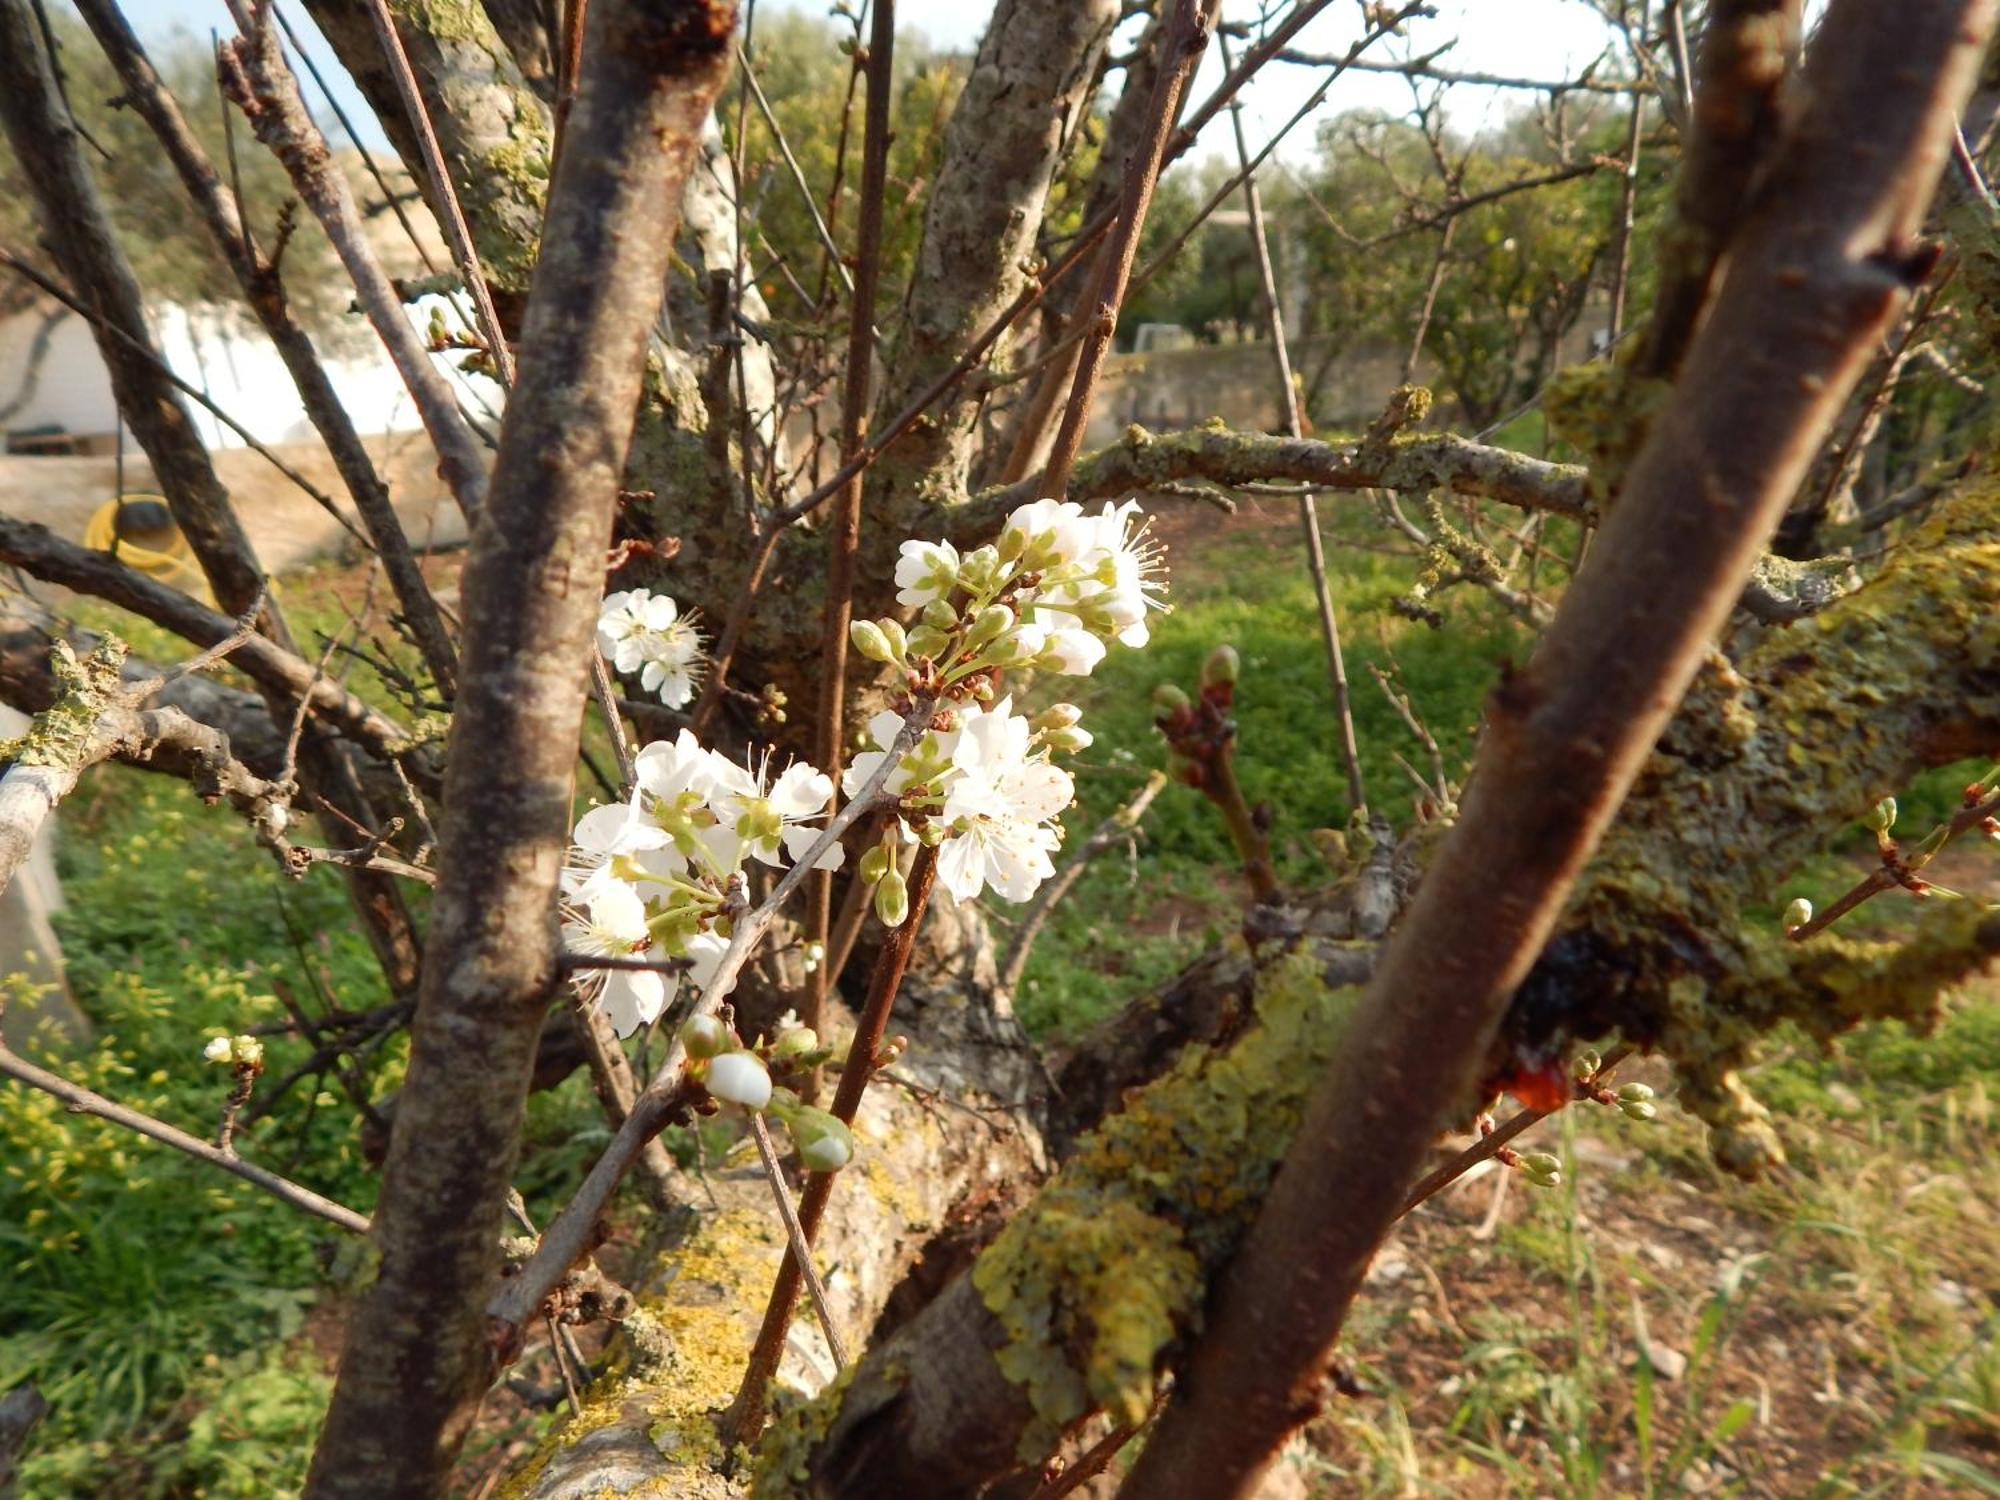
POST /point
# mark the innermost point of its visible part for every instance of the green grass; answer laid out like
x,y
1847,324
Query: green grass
x,y
157,1303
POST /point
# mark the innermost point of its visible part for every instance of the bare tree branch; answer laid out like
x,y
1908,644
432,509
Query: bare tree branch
x,y
1144,460
257,76
82,1100
263,290
85,246
292,678
1180,51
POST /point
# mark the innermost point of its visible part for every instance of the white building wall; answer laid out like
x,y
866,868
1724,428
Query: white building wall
x,y
228,361
73,391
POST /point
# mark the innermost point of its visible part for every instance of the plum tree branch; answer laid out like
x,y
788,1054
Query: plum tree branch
x,y
1816,271
418,1357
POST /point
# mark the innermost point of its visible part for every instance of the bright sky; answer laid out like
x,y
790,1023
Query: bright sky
x,y
1531,38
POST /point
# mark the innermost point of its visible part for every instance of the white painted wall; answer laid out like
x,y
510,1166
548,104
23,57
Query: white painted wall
x,y
230,362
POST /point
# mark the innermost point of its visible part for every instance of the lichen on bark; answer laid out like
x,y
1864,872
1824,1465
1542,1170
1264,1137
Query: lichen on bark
x,y
1767,760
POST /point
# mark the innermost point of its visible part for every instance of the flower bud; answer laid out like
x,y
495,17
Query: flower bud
x,y
940,616
1541,1168
1221,665
979,569
706,1036
1798,913
794,1044
1634,1093
1882,816
994,621
1638,1109
926,640
1057,716
824,1143
1586,1063
892,899
892,632
1169,699
931,834
738,1078
869,640
1067,741
219,1050
815,955
874,864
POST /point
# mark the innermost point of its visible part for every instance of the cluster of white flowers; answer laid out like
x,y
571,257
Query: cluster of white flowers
x,y
979,785
658,877
1057,586
640,631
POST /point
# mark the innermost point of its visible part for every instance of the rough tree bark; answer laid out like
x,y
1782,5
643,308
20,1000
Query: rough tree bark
x,y
492,124
1002,146
418,1359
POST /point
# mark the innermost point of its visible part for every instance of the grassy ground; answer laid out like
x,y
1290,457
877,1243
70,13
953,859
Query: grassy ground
x,y
1834,1329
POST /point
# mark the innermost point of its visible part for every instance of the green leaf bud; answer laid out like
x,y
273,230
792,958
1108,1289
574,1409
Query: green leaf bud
x,y
824,1143
1221,665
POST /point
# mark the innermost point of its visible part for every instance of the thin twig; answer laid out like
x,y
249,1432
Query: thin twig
x,y
456,234
796,1235
83,1101
1288,406
745,1417
1979,807
1115,829
1179,52
846,520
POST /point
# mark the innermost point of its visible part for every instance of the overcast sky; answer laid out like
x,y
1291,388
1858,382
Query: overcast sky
x,y
1534,38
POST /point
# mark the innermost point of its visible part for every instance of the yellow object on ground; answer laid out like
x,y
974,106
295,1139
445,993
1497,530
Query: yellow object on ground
x,y
140,532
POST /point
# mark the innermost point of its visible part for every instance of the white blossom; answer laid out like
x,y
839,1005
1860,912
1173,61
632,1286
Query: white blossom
x,y
925,571
612,924
600,838
767,819
644,632
999,808
1048,533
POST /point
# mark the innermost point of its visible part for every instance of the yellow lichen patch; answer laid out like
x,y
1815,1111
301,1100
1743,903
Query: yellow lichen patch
x,y
60,734
1105,1270
1765,762
684,1351
784,1454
